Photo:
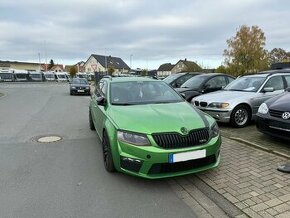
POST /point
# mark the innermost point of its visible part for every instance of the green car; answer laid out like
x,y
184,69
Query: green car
x,y
148,130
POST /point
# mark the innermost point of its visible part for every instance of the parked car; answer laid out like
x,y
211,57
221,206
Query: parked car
x,y
21,75
177,79
141,134
273,117
238,102
79,86
204,83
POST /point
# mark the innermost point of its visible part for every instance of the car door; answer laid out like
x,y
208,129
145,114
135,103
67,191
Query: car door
x,y
214,84
275,82
99,111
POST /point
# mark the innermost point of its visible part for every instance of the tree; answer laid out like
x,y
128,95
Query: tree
x,y
278,55
111,70
51,64
221,69
246,52
72,71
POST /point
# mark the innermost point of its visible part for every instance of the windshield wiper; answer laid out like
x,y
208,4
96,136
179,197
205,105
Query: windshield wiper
x,y
238,90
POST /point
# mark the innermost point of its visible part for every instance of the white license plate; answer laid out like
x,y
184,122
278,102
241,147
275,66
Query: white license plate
x,y
81,90
185,156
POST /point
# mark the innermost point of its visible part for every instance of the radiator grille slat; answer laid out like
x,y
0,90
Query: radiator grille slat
x,y
176,140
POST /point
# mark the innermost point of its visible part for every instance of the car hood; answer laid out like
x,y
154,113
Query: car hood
x,y
280,103
80,85
180,90
153,118
225,96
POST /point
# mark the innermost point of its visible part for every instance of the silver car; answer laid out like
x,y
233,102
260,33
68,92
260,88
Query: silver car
x,y
239,101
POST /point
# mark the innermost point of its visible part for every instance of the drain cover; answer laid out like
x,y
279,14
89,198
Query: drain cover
x,y
48,139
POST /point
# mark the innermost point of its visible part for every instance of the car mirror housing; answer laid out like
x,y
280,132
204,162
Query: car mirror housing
x,y
268,89
101,101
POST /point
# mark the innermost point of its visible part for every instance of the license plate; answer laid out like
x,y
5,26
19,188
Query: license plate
x,y
81,90
185,156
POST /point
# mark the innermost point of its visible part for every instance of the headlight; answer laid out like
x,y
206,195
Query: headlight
x,y
215,131
133,138
218,105
263,109
73,87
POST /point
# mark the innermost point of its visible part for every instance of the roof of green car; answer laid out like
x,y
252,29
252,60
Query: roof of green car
x,y
129,79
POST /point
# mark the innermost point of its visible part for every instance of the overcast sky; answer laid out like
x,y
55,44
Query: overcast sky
x,y
152,31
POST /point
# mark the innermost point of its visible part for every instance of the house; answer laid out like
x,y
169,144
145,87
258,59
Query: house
x,y
54,68
165,69
17,65
186,66
79,66
101,63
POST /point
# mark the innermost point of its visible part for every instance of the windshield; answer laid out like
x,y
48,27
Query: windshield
x,y
35,76
21,75
79,81
246,84
194,82
49,75
6,75
144,92
61,76
172,77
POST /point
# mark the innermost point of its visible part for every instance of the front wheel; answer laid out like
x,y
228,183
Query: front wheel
x,y
107,154
240,116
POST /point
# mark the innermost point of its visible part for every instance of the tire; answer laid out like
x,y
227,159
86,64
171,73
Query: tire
x,y
241,116
107,154
92,126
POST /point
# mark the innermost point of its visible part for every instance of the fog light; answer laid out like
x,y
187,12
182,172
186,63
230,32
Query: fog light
x,y
131,164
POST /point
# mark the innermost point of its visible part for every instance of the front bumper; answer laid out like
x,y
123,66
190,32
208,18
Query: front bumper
x,y
273,126
222,116
152,162
80,91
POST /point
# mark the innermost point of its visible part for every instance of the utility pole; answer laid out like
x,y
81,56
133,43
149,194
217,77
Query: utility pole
x,y
131,61
45,55
39,61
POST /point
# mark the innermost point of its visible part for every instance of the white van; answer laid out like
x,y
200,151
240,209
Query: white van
x,y
35,76
48,76
21,75
60,77
6,75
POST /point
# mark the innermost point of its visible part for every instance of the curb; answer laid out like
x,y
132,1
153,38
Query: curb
x,y
259,147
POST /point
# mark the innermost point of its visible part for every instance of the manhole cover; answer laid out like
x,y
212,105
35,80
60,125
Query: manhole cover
x,y
48,139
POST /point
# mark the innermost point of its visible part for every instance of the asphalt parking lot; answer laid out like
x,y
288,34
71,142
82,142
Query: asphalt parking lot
x,y
67,178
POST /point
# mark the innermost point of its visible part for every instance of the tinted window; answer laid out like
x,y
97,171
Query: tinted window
x,y
144,92
172,77
183,79
230,79
216,82
276,82
194,82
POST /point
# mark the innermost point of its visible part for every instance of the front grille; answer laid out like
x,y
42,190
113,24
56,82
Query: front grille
x,y
181,166
176,140
196,103
203,104
275,113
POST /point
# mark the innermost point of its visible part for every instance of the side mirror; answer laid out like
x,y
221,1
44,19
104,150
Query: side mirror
x,y
101,101
268,89
287,89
